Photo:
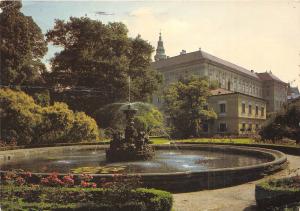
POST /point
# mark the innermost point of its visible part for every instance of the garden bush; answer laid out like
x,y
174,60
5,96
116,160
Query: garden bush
x,y
19,117
53,198
25,122
278,192
284,124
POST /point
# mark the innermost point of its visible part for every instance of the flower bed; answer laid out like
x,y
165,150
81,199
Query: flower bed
x,y
23,191
63,198
278,192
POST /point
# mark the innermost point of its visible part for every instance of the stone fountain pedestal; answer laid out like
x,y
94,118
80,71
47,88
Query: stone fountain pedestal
x,y
134,146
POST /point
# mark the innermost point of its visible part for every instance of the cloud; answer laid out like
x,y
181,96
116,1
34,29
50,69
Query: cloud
x,y
142,12
103,13
149,22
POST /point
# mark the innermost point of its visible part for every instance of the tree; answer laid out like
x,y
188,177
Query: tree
x,y
185,103
99,57
22,46
283,124
148,117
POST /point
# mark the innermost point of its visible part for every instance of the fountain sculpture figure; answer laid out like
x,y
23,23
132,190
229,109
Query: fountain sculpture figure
x,y
134,146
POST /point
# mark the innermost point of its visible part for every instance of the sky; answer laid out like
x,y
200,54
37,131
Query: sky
x,y
260,35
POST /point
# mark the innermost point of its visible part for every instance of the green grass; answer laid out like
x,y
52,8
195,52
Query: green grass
x,y
219,140
160,140
205,140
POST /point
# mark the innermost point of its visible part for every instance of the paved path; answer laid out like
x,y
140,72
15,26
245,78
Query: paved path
x,y
237,198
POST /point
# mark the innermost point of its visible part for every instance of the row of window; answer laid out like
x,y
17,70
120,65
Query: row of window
x,y
262,109
233,82
250,127
223,127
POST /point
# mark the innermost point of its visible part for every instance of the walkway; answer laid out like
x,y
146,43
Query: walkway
x,y
239,198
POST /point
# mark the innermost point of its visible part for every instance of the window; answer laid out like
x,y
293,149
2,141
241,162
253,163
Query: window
x,y
205,107
243,108
222,108
205,127
250,109
256,110
250,127
262,111
256,127
223,127
243,127
158,100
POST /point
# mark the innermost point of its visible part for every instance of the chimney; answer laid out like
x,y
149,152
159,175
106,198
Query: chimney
x,y
183,52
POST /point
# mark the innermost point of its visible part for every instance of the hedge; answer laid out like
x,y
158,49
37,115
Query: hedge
x,y
272,193
52,198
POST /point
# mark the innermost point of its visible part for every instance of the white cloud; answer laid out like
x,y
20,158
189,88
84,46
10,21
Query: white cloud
x,y
149,23
142,12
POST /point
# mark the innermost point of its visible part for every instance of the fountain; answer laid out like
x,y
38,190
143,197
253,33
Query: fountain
x,y
134,146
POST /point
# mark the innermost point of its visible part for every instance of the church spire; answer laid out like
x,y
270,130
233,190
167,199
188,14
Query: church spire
x,y
160,50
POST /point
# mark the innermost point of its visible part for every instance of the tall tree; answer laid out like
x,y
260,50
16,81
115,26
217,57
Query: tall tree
x,y
100,57
22,46
185,103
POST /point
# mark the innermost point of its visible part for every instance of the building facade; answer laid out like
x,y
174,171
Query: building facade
x,y
267,89
238,114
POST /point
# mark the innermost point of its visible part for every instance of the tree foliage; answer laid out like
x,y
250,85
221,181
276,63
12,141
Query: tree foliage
x,y
22,46
147,118
100,57
184,103
24,122
284,124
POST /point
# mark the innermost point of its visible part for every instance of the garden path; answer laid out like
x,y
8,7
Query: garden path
x,y
237,198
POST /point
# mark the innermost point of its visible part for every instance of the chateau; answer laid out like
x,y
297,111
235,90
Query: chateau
x,y
243,98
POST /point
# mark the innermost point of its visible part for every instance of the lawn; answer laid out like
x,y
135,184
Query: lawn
x,y
205,140
219,140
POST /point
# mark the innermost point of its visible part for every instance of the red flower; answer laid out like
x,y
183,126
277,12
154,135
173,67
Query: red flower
x,y
84,184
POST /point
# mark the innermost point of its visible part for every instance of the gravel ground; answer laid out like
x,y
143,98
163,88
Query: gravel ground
x,y
241,197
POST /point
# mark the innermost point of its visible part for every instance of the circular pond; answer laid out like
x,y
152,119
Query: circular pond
x,y
165,161
173,167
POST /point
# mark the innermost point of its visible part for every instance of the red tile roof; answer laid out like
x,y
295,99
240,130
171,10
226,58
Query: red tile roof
x,y
220,91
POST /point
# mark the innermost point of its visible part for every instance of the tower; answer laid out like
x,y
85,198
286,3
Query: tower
x,y
160,50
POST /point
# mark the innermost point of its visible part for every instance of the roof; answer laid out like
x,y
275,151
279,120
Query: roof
x,y
293,90
220,91
197,55
268,76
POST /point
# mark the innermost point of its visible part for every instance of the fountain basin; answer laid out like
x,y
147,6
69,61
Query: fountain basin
x,y
200,166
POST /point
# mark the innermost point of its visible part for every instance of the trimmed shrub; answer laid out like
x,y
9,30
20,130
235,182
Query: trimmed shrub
x,y
35,198
277,192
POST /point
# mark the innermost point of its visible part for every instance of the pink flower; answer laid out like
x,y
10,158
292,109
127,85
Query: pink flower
x,y
20,180
84,184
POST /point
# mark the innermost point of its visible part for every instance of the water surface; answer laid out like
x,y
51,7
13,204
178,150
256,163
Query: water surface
x,y
90,161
